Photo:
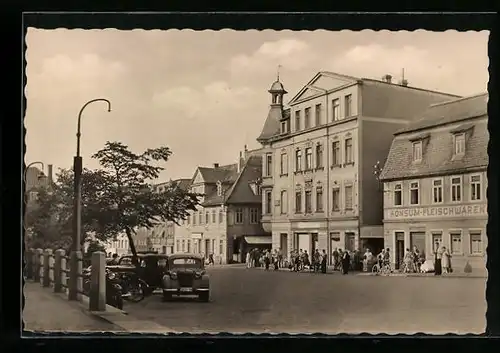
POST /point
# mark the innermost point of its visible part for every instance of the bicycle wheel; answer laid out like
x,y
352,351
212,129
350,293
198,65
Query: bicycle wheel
x,y
375,269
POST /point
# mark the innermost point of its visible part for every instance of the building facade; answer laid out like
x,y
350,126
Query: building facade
x,y
36,178
435,184
229,212
119,246
318,187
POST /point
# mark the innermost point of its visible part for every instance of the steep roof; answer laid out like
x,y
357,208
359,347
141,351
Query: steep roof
x,y
450,112
183,183
272,123
437,131
225,173
213,199
241,191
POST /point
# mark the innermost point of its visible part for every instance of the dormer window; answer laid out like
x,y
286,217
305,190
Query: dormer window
x,y
459,143
219,188
284,127
417,151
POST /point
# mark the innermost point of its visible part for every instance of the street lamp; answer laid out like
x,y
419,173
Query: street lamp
x,y
377,170
25,174
75,284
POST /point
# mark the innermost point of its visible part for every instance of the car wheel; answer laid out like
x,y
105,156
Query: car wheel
x,y
204,296
167,297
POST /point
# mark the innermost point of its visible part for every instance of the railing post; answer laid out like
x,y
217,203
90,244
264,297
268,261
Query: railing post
x,y
46,267
58,271
97,300
75,280
29,263
37,264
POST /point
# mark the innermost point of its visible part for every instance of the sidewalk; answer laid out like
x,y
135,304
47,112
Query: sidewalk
x,y
48,311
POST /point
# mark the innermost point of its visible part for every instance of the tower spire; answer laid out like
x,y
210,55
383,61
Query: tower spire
x,y
278,72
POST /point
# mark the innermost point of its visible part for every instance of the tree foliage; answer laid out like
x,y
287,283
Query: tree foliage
x,y
119,197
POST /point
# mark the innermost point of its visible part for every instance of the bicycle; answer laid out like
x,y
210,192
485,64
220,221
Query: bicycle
x,y
384,270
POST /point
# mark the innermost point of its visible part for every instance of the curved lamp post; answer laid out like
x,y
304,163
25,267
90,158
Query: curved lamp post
x,y
75,284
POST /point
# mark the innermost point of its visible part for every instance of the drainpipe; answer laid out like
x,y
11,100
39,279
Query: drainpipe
x,y
327,168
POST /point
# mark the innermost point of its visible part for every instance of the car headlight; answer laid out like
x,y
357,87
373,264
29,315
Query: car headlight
x,y
111,275
173,275
198,274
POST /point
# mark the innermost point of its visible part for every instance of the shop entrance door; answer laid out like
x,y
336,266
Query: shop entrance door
x,y
418,239
350,241
207,248
400,249
284,244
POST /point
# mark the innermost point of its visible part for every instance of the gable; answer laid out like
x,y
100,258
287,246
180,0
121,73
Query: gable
x,y
198,177
322,82
242,191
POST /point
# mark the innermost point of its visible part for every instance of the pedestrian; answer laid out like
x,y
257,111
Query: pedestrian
x,y
335,256
248,260
408,262
280,258
437,262
267,259
323,262
346,259
445,260
114,260
211,259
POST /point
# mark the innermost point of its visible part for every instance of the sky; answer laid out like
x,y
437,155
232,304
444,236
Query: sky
x,y
204,93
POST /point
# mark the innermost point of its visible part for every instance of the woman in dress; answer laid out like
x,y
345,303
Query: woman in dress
x,y
445,260
408,261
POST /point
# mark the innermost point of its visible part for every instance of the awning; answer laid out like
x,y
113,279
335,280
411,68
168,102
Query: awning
x,y
256,239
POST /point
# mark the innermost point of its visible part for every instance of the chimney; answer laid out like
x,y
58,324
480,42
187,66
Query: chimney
x,y
388,78
404,83
241,162
49,172
216,165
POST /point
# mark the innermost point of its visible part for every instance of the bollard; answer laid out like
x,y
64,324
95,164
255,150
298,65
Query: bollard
x,y
59,266
46,267
75,276
37,265
97,300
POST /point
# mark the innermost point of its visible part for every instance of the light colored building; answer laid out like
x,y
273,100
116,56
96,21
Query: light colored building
x,y
227,222
119,246
319,191
35,178
435,182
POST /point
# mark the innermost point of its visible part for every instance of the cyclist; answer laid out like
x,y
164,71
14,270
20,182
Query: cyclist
x,y
380,259
387,258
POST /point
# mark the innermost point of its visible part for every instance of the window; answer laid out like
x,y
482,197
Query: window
x,y
456,189
336,199
188,246
239,216
437,240
336,153
284,164
178,246
456,243
308,201
221,247
476,243
348,197
188,219
309,155
284,127
417,151
283,202
213,216
459,142
254,215
319,156
475,187
348,151
219,188
437,191
414,193
269,164
221,216
348,105
297,120
298,160
307,118
298,201
268,202
195,215
398,195
319,199
318,114
335,110
207,217
200,217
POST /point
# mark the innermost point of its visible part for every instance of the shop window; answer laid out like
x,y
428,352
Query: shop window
x,y
476,243
437,240
456,243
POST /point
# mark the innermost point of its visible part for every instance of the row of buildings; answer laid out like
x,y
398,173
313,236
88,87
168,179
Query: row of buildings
x,y
348,163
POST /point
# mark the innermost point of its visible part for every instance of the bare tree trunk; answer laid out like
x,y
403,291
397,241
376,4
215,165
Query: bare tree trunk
x,y
135,259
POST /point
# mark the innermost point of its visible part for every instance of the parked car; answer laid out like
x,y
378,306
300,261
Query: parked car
x,y
186,275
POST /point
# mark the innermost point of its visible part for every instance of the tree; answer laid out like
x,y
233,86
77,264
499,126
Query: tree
x,y
120,197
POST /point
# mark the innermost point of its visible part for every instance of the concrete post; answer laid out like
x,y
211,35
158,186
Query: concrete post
x,y
37,265
28,271
97,300
46,267
58,271
75,279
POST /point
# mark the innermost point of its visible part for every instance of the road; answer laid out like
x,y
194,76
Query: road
x,y
253,300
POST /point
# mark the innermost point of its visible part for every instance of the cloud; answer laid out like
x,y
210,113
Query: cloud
x,y
291,54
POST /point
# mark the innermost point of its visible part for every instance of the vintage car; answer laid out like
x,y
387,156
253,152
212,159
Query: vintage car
x,y
186,275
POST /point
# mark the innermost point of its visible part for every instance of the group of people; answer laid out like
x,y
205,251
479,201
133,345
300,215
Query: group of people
x,y
413,260
442,261
264,258
300,261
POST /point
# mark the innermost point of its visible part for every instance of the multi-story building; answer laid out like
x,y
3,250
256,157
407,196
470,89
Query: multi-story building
x,y
35,178
119,246
435,183
227,221
160,238
318,186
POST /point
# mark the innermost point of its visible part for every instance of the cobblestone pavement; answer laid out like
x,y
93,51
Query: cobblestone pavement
x,y
250,300
45,311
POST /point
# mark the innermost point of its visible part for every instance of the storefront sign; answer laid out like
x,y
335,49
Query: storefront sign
x,y
196,235
437,211
307,225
